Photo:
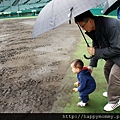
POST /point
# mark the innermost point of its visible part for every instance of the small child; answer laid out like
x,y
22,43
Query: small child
x,y
86,83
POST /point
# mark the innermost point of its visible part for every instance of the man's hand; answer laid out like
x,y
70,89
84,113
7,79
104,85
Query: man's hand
x,y
75,89
90,69
91,50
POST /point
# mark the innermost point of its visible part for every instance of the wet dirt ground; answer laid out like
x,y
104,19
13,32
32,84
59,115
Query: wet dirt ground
x,y
33,70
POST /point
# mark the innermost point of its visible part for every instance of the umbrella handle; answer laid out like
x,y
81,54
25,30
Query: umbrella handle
x,y
86,43
88,57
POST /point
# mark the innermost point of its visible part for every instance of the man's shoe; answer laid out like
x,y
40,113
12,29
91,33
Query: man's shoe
x,y
110,107
105,94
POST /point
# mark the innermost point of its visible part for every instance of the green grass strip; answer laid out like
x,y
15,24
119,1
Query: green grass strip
x,y
97,101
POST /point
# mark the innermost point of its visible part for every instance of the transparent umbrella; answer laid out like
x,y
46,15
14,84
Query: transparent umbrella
x,y
57,12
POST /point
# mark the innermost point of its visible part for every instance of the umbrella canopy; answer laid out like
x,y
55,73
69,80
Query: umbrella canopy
x,y
56,12
110,5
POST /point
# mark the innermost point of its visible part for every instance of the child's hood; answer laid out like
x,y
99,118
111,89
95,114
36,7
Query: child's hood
x,y
85,71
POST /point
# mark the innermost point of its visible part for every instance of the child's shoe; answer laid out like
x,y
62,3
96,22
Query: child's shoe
x,y
81,104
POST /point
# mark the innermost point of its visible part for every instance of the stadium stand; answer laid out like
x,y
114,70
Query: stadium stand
x,y
12,8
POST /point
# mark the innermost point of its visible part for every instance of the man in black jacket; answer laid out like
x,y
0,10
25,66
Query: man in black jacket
x,y
105,33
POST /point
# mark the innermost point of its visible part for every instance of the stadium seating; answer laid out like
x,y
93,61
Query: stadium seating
x,y
8,7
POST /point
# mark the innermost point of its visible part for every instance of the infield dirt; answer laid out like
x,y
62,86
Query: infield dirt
x,y
32,71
